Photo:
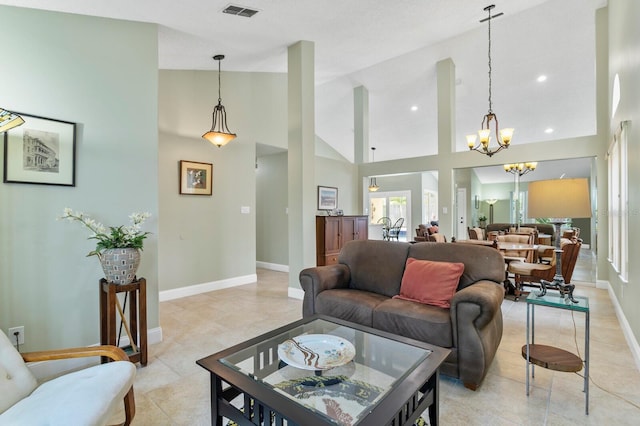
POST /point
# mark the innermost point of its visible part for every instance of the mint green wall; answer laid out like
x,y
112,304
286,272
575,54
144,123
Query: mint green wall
x,y
206,238
271,200
101,74
272,237
342,175
624,59
501,192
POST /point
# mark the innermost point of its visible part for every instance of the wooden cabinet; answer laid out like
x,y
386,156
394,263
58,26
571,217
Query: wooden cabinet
x,y
333,231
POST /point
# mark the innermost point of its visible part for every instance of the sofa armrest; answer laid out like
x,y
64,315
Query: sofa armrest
x,y
316,280
488,297
476,318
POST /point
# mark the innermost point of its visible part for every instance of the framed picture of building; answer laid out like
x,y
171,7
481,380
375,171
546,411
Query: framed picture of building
x,y
196,178
40,151
327,198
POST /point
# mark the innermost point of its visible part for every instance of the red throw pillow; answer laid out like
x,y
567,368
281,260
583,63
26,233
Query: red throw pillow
x,y
429,282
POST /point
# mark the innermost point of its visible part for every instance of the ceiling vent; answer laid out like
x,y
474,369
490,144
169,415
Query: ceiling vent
x,y
239,10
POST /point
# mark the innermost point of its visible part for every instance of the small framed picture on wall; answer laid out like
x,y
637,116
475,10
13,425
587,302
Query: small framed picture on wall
x,y
41,151
196,178
327,198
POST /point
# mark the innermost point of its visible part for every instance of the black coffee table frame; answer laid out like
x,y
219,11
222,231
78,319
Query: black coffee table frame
x,y
402,405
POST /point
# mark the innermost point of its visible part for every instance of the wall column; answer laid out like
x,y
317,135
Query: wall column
x,y
446,75
301,159
361,137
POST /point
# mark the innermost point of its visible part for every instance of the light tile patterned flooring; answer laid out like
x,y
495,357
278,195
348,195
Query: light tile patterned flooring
x,y
173,390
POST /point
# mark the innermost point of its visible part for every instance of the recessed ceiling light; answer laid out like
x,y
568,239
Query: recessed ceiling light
x,y
414,108
548,130
542,78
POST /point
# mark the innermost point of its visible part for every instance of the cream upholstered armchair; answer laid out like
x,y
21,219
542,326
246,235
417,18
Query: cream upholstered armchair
x,y
85,397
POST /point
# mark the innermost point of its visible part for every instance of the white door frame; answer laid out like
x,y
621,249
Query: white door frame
x,y
461,213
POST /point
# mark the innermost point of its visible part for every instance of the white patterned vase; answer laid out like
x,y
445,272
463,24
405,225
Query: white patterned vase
x,y
120,264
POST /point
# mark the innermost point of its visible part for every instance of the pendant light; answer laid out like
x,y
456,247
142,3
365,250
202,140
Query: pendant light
x,y
503,137
373,185
219,134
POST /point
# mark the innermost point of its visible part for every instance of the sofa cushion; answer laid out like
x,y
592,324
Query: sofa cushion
x,y
433,283
350,305
480,263
376,266
425,323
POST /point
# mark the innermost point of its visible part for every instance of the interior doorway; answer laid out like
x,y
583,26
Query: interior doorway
x,y
394,205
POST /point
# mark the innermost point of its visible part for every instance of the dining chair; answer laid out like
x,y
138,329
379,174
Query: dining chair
x,y
394,232
476,233
514,254
437,238
525,272
386,227
422,233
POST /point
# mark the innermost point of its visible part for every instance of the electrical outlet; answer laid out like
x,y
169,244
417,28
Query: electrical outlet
x,y
12,337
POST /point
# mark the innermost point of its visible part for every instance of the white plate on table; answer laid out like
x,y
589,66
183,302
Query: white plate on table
x,y
316,351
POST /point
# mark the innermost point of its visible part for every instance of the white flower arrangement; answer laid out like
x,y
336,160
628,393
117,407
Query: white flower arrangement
x,y
113,236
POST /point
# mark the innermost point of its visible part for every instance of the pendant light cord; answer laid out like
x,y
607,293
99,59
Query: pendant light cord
x,y
219,84
490,103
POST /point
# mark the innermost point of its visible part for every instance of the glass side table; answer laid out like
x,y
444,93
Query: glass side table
x,y
551,357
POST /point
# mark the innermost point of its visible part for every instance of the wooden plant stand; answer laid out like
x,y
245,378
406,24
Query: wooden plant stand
x,y
135,326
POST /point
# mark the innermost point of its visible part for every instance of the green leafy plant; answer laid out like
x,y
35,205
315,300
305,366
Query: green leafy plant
x,y
113,236
482,218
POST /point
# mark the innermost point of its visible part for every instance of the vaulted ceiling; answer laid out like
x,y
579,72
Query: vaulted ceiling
x,y
391,48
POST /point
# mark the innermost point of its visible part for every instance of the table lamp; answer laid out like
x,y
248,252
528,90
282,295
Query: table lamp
x,y
559,200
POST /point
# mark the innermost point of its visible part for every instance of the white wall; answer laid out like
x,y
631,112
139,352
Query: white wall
x,y
102,75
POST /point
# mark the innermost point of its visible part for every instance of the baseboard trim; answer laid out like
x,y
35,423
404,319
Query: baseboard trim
x,y
272,266
46,369
602,284
192,290
296,293
626,328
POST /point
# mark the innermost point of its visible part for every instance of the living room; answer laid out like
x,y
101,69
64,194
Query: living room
x,y
136,123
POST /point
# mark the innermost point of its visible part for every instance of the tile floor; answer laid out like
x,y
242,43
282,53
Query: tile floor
x,y
173,390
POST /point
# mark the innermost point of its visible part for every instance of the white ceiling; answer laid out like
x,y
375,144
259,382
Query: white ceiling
x,y
391,48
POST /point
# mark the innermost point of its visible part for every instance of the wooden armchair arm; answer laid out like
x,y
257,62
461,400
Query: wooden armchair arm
x,y
113,352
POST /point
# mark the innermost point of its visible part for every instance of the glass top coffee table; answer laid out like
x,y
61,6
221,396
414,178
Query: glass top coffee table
x,y
321,370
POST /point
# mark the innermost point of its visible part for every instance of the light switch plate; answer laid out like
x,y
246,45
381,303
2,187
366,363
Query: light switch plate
x,y
245,210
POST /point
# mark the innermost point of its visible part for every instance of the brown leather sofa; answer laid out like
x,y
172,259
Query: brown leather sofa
x,y
369,273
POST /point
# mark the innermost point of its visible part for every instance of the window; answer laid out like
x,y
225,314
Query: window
x,y
392,205
429,206
618,203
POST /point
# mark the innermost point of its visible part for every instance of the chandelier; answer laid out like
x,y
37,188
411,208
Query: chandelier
x,y
520,169
219,134
503,137
373,185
